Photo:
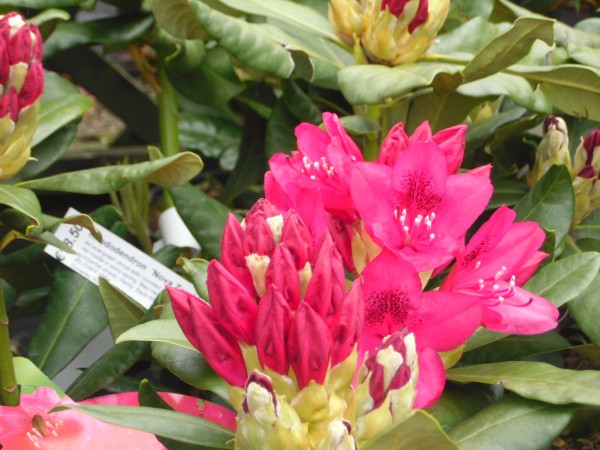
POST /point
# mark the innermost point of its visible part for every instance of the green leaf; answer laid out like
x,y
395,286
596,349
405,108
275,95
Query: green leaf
x,y
48,151
418,430
385,82
516,347
481,337
510,47
163,330
586,311
564,280
197,269
203,215
30,377
74,316
211,135
441,110
550,203
288,12
248,42
359,125
589,227
24,201
191,367
116,31
279,135
41,4
506,192
169,424
458,402
62,105
169,171
123,313
107,369
574,89
517,88
468,39
176,17
535,380
513,423
299,103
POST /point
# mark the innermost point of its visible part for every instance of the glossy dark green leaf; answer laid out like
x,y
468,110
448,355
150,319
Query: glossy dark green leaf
x,y
116,31
279,135
386,82
441,110
210,135
535,380
564,280
299,103
248,42
589,227
507,192
550,203
481,337
460,41
122,312
513,422
516,347
586,310
169,171
418,430
175,16
250,166
510,47
203,215
74,316
108,368
163,330
168,424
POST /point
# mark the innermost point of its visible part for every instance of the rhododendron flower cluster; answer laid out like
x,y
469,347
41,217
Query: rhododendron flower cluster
x,y
314,360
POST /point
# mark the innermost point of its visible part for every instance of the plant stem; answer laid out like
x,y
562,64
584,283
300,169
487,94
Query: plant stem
x,y
372,139
167,118
9,390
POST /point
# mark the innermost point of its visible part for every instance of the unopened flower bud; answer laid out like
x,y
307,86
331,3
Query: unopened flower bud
x,y
587,169
21,85
552,150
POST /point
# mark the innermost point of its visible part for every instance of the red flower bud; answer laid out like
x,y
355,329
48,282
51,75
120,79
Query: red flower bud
x,y
272,324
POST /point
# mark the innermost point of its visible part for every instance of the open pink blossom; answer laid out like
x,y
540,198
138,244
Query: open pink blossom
x,y
499,258
30,427
324,160
440,321
416,208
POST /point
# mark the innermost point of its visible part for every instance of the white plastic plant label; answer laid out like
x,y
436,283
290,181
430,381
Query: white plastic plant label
x,y
120,263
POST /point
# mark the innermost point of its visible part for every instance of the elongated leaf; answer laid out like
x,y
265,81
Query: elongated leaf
x,y
24,201
110,367
574,89
57,111
30,377
123,313
586,310
535,380
175,16
469,38
191,367
116,31
481,337
74,316
40,4
517,347
170,171
512,422
385,82
550,203
565,279
168,424
164,330
419,430
250,43
510,47
589,227
288,12
211,135
197,270
460,401
441,110
203,215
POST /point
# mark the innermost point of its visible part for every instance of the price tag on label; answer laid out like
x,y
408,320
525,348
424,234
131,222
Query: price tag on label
x,y
120,263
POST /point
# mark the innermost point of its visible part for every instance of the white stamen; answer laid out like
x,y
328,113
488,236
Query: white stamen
x,y
312,177
431,237
495,287
405,228
316,165
478,264
481,284
418,219
500,298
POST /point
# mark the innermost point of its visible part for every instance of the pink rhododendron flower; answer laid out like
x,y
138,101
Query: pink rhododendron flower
x,y
29,426
440,321
416,208
324,160
276,292
499,258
